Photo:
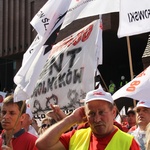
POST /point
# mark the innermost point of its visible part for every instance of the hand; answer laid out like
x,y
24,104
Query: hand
x,y
55,108
7,147
79,115
57,113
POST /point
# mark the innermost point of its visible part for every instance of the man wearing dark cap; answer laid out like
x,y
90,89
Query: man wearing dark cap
x,y
131,117
99,111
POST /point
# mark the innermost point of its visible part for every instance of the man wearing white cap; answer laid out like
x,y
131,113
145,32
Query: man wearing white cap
x,y
143,118
100,112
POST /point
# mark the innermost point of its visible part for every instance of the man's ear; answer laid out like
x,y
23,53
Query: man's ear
x,y
23,116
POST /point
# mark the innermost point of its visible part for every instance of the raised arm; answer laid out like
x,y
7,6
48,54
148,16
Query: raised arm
x,y
49,140
58,111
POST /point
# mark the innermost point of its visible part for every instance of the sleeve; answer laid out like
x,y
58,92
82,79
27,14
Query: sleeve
x,y
134,145
65,138
1,142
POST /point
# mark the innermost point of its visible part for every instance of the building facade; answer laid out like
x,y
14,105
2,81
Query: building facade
x,y
16,35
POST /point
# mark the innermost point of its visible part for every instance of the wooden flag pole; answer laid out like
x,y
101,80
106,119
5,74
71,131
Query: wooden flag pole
x,y
130,57
107,90
130,62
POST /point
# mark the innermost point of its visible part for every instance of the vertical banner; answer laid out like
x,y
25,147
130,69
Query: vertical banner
x,y
69,71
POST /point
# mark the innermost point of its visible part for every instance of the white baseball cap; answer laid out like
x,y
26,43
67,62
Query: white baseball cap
x,y
98,94
143,104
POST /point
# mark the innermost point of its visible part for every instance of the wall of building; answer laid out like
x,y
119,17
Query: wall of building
x,y
16,35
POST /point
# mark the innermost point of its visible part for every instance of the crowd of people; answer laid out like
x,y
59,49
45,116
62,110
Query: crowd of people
x,y
89,127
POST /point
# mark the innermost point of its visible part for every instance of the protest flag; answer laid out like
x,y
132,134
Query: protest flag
x,y
69,71
84,8
47,22
137,89
134,17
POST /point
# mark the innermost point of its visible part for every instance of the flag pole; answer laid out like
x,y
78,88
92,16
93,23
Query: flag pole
x,y
107,90
130,62
130,57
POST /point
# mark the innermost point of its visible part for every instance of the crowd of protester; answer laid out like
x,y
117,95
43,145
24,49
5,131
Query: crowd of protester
x,y
92,126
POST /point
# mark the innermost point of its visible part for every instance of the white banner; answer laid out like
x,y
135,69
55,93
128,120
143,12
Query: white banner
x,y
85,8
37,54
134,17
69,72
48,16
138,88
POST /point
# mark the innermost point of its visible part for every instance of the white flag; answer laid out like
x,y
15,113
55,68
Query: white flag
x,y
85,8
134,17
37,54
49,15
137,89
121,113
69,71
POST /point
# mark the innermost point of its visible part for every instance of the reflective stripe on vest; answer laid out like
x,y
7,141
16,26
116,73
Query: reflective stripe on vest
x,y
81,140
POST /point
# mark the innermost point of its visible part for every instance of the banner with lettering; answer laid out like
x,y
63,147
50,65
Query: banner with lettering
x,y
138,88
134,17
69,71
48,16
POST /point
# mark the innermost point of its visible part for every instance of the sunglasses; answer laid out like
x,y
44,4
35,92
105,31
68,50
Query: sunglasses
x,y
45,125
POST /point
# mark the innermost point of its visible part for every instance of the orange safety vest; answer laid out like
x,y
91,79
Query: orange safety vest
x,y
81,140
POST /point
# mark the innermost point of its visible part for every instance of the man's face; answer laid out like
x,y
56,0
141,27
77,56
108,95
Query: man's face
x,y
10,114
131,119
45,125
143,116
100,117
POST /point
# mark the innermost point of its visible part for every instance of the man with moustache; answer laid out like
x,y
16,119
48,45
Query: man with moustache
x,y
99,111
13,136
